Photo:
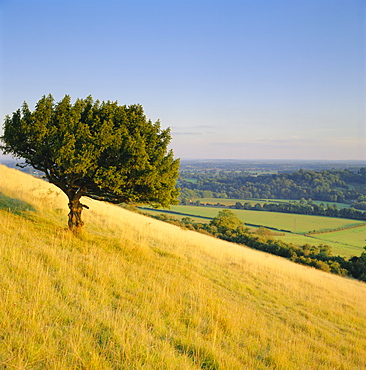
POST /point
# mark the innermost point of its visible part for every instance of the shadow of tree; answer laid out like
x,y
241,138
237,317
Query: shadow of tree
x,y
14,205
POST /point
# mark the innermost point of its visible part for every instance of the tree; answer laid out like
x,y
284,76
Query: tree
x,y
100,150
227,221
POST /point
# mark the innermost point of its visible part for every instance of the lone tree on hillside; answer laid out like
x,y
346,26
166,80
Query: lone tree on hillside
x,y
100,150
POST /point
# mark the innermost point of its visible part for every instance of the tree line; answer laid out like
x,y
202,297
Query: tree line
x,y
306,207
326,185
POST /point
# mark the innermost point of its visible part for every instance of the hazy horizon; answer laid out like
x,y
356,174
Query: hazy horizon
x,y
233,79
8,159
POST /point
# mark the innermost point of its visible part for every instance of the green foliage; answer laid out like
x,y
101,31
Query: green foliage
x,y
326,185
96,149
227,221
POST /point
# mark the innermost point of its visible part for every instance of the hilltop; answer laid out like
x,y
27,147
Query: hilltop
x,y
133,292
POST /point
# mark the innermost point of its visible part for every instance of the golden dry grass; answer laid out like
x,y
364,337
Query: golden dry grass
x,y
135,293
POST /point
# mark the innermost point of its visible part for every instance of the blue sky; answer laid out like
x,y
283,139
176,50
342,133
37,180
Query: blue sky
x,y
235,79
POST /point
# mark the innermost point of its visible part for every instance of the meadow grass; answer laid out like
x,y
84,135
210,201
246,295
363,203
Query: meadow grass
x,y
155,212
131,292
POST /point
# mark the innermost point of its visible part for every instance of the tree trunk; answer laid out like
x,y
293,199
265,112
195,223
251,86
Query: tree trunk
x,y
76,208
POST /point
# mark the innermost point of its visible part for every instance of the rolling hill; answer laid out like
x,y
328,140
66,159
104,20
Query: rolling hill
x,y
132,292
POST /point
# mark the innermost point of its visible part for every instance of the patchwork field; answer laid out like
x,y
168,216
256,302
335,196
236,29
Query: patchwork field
x,y
282,221
348,247
356,236
349,242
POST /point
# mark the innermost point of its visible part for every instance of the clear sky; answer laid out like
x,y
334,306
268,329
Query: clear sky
x,y
234,79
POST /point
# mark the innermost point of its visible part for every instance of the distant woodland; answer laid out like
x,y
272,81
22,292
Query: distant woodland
x,y
335,186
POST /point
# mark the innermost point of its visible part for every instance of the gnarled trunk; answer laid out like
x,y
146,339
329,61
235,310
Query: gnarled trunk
x,y
76,208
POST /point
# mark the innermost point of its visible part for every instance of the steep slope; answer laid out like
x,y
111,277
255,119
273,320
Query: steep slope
x,y
132,292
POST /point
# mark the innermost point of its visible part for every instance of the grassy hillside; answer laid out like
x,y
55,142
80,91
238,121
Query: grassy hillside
x,y
135,293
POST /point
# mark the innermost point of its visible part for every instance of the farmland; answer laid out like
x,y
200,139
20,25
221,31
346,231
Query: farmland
x,y
346,243
356,236
301,203
345,236
282,221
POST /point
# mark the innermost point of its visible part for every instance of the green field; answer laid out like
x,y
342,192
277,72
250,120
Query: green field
x,y
351,245
350,237
283,221
347,242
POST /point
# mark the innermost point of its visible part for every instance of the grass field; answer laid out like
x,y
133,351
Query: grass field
x,y
132,292
286,221
347,247
355,236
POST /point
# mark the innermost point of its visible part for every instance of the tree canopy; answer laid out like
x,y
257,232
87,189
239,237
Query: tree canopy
x,y
101,150
227,221
342,185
